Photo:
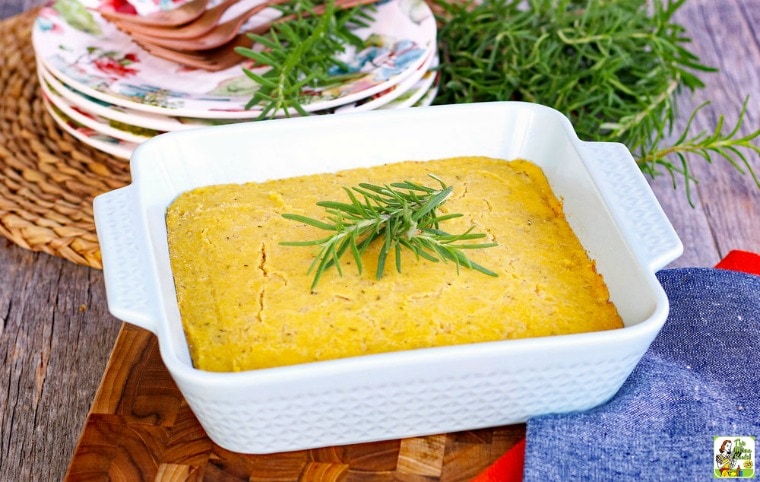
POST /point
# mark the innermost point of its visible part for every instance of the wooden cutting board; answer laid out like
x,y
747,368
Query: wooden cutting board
x,y
141,428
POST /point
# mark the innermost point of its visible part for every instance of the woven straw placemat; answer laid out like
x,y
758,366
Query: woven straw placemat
x,y
48,178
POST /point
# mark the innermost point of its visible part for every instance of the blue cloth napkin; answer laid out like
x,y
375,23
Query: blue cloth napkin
x,y
699,379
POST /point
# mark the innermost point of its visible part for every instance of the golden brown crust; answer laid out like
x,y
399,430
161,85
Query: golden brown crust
x,y
246,301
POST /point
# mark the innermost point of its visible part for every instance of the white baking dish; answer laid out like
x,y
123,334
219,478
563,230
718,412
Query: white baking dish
x,y
607,200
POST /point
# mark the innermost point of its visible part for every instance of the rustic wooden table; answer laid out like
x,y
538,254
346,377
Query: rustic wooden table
x,y
56,334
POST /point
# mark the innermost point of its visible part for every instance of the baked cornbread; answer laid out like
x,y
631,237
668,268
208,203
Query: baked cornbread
x,y
246,303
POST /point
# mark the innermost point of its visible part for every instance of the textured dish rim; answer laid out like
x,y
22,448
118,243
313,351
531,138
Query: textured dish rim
x,y
646,328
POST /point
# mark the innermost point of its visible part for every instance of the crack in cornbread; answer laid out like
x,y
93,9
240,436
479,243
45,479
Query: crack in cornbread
x,y
246,303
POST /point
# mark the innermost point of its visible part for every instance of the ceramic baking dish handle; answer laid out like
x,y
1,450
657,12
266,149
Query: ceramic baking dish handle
x,y
633,203
125,254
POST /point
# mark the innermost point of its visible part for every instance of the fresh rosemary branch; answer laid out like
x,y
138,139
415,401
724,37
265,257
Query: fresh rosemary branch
x,y
402,215
729,146
614,67
302,52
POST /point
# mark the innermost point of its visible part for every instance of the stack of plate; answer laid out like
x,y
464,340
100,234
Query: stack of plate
x,y
108,92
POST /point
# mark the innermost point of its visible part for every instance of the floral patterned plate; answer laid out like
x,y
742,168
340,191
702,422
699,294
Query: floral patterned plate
x,y
147,7
429,96
79,47
126,115
102,142
417,91
109,127
123,149
387,96
147,120
119,137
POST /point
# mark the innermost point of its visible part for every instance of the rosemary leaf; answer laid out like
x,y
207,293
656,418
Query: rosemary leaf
x,y
301,51
614,67
397,215
309,221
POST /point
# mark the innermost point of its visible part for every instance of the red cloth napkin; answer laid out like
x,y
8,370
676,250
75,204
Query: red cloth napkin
x,y
509,467
743,261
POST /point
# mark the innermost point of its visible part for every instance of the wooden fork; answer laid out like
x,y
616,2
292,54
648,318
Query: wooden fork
x,y
225,32
195,28
224,56
216,36
181,15
219,58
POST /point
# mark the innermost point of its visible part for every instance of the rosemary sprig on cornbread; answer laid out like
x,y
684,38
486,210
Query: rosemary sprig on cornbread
x,y
402,215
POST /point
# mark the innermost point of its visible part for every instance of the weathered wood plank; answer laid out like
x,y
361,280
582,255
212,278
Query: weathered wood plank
x,y
55,339
726,215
